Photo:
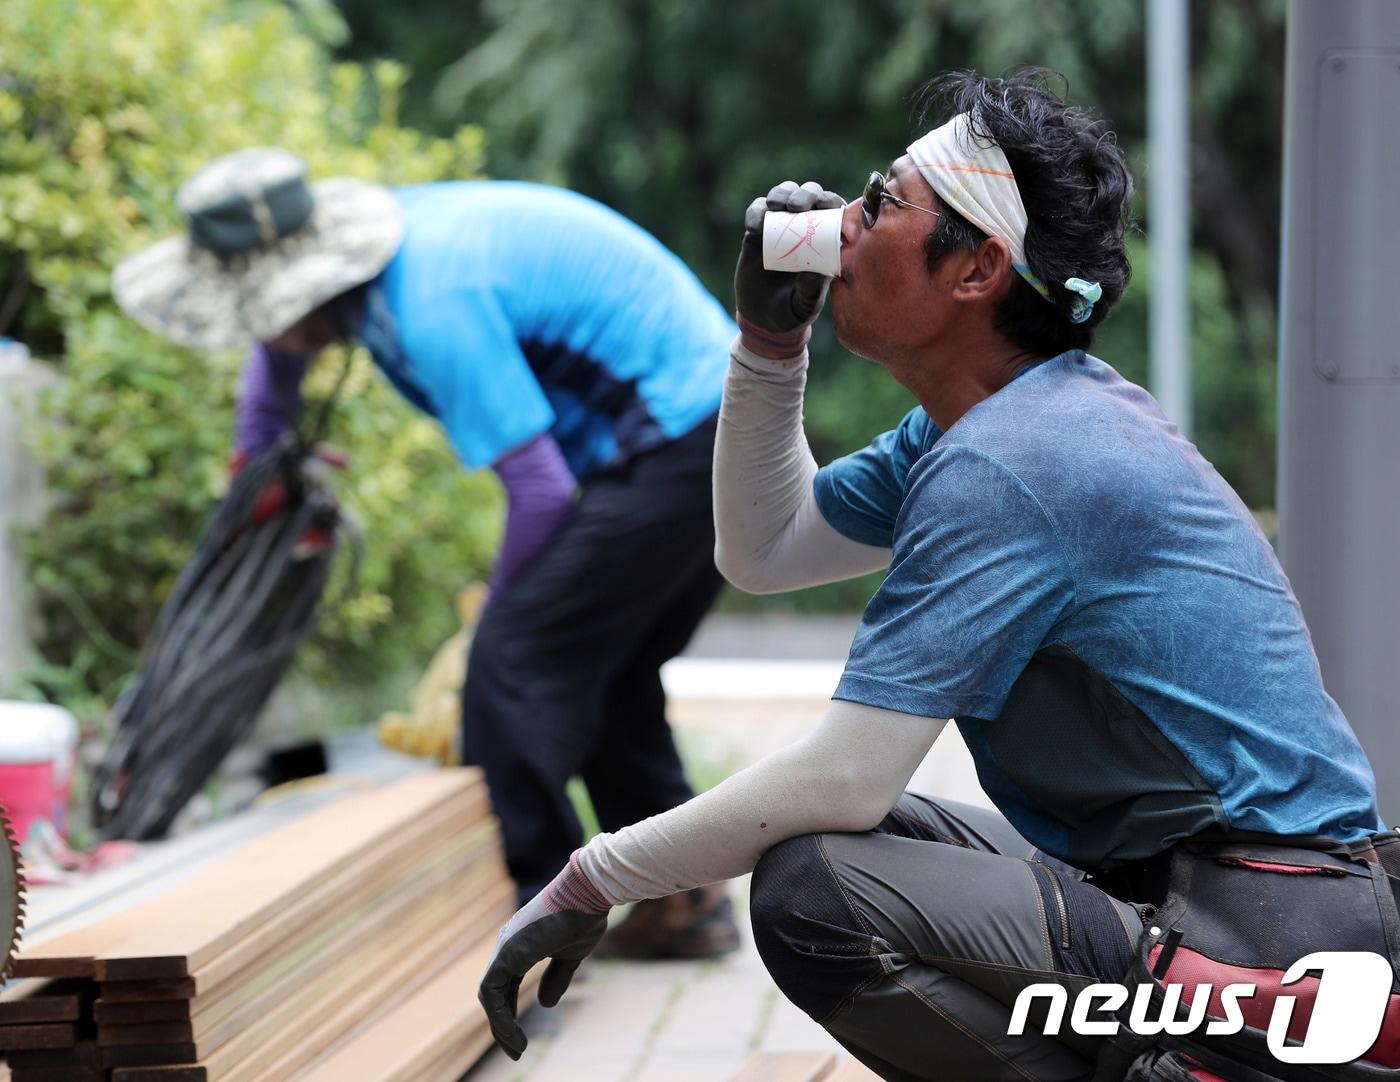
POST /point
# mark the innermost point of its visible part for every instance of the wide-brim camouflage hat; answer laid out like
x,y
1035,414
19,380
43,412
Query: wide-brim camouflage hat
x,y
262,248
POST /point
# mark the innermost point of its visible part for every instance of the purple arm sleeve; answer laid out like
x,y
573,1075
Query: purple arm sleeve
x,y
270,399
540,489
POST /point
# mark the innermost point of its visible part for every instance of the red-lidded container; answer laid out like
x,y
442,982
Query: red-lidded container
x,y
38,746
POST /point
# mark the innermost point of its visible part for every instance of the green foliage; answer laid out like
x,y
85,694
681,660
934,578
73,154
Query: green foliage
x,y
678,113
105,107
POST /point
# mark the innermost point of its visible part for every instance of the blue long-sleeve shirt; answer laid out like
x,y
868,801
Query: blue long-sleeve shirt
x,y
516,313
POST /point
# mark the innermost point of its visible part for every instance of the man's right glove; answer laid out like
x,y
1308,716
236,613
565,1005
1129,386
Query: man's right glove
x,y
563,922
777,308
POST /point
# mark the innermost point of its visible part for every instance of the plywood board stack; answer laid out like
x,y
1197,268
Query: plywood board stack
x,y
266,963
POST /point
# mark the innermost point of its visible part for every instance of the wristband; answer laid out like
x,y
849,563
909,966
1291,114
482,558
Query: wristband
x,y
572,889
789,343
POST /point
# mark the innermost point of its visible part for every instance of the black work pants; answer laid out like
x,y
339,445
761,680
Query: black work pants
x,y
563,678
910,944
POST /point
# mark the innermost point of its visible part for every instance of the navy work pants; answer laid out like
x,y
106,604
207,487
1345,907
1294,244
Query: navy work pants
x,y
911,943
563,679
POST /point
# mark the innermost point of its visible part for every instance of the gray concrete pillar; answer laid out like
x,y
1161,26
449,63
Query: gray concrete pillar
x,y
21,499
1339,356
1169,206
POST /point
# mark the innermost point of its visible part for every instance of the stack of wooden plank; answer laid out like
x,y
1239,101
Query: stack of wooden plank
x,y
41,1024
361,928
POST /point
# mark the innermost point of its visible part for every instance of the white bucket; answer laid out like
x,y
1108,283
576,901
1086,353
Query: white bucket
x,y
38,749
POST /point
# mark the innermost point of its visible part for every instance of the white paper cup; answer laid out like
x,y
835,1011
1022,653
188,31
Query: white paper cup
x,y
810,241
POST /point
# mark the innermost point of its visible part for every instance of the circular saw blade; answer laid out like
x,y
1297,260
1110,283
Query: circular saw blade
x,y
11,896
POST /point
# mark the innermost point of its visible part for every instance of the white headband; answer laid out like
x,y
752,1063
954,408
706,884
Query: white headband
x,y
971,174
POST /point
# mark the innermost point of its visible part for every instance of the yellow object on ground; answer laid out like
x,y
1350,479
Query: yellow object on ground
x,y
431,726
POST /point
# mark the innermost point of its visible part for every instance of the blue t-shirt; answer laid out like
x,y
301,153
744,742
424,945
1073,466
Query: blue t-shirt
x,y
514,309
1077,587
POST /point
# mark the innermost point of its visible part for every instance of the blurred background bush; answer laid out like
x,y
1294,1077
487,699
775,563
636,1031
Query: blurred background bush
x,y
675,113
105,107
679,113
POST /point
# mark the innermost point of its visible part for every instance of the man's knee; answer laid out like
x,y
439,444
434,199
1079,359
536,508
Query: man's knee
x,y
814,944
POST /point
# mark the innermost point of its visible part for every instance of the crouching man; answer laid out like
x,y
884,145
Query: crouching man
x,y
1070,581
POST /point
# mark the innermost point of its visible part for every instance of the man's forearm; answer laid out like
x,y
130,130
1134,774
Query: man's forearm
x,y
844,776
770,534
270,398
540,494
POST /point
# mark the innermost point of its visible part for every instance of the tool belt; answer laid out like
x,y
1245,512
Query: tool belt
x,y
1241,908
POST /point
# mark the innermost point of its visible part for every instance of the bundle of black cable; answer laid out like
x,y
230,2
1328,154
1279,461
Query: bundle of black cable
x,y
223,640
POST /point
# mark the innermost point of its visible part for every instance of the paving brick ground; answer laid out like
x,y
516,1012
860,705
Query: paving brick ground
x,y
698,1021
659,1022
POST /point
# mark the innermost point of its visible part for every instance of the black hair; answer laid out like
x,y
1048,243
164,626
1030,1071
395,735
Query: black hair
x,y
1075,187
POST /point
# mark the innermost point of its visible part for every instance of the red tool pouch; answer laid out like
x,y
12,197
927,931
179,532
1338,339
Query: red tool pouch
x,y
1241,910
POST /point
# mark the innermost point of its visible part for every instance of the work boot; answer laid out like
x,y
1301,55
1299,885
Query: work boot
x,y
696,923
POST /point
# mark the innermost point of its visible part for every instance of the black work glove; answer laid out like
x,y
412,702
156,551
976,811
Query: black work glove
x,y
562,922
777,308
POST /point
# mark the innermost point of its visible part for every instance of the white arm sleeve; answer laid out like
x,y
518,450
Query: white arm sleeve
x,y
770,535
844,776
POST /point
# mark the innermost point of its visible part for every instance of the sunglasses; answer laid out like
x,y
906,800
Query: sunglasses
x,y
875,196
